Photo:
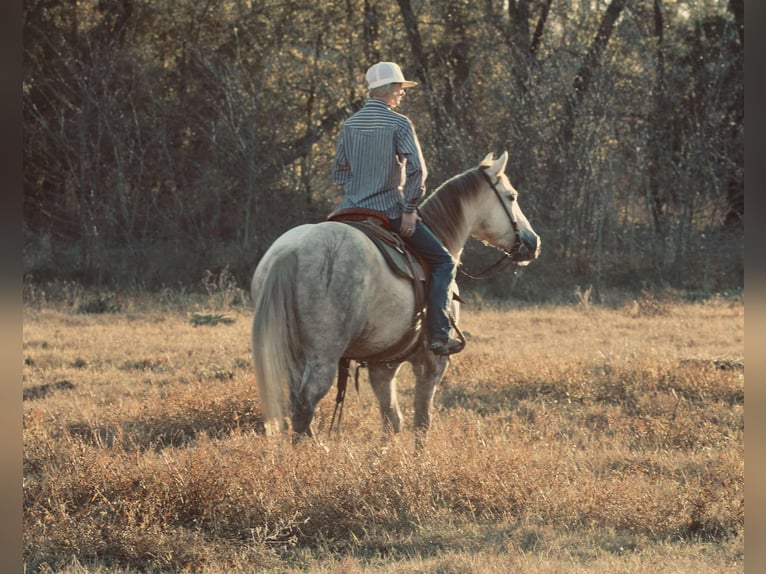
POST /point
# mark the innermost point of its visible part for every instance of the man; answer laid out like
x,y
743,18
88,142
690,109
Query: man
x,y
380,165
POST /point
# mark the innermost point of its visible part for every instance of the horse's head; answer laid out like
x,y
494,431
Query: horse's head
x,y
501,222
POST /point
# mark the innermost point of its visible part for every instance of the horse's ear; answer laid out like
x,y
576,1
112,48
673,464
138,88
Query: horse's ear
x,y
499,164
487,161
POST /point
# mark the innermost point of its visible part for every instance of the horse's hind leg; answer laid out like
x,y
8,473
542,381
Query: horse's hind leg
x,y
383,382
317,379
429,370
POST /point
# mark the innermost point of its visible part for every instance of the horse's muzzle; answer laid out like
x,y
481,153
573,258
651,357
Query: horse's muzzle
x,y
526,251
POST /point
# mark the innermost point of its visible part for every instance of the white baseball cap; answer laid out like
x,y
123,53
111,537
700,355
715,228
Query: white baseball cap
x,y
384,73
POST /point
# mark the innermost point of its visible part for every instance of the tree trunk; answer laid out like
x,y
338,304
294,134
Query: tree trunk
x,y
423,73
657,137
735,188
588,67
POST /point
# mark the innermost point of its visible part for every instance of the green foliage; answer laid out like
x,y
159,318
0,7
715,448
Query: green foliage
x,y
160,134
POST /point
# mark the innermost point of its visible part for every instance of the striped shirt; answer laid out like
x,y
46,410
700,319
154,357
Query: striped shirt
x,y
378,161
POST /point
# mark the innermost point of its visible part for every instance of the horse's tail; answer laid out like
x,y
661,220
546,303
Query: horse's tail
x,y
276,339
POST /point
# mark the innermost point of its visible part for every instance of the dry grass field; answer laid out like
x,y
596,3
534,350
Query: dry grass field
x,y
570,438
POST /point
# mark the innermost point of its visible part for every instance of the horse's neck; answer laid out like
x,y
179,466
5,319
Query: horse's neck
x,y
453,233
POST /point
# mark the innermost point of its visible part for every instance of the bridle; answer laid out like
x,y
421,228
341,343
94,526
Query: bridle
x,y
507,256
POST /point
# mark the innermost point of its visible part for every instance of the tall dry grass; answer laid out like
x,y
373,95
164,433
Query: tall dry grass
x,y
565,439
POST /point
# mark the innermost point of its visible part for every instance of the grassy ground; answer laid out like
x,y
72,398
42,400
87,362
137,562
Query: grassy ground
x,y
565,439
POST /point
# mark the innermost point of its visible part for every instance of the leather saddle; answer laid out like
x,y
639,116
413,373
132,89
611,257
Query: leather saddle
x,y
402,261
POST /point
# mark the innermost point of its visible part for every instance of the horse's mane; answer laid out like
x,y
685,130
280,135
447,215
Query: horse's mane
x,y
443,210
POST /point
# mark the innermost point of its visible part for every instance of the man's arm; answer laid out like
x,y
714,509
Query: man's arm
x,y
341,170
408,147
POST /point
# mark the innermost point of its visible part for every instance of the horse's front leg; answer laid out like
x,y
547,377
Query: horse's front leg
x,y
383,382
429,370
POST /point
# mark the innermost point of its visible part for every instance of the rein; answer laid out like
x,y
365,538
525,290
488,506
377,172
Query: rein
x,y
497,266
505,259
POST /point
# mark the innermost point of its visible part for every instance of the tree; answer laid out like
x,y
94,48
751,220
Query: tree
x,y
588,66
196,129
735,189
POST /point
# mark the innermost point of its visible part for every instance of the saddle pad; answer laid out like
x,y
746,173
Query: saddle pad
x,y
400,260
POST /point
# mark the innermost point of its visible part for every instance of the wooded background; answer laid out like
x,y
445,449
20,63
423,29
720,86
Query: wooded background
x,y
167,138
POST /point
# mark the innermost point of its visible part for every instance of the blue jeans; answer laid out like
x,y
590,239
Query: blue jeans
x,y
443,269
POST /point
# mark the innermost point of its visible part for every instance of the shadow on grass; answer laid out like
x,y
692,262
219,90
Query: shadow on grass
x,y
180,429
42,391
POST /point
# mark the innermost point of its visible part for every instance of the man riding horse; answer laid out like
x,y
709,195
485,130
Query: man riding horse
x,y
380,166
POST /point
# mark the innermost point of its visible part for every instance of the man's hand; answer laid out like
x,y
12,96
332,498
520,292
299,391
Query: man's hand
x,y
409,220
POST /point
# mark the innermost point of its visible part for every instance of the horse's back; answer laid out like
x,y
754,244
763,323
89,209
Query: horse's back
x,y
343,287
322,250
288,242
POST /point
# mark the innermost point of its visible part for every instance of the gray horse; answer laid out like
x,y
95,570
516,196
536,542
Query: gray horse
x,y
323,291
